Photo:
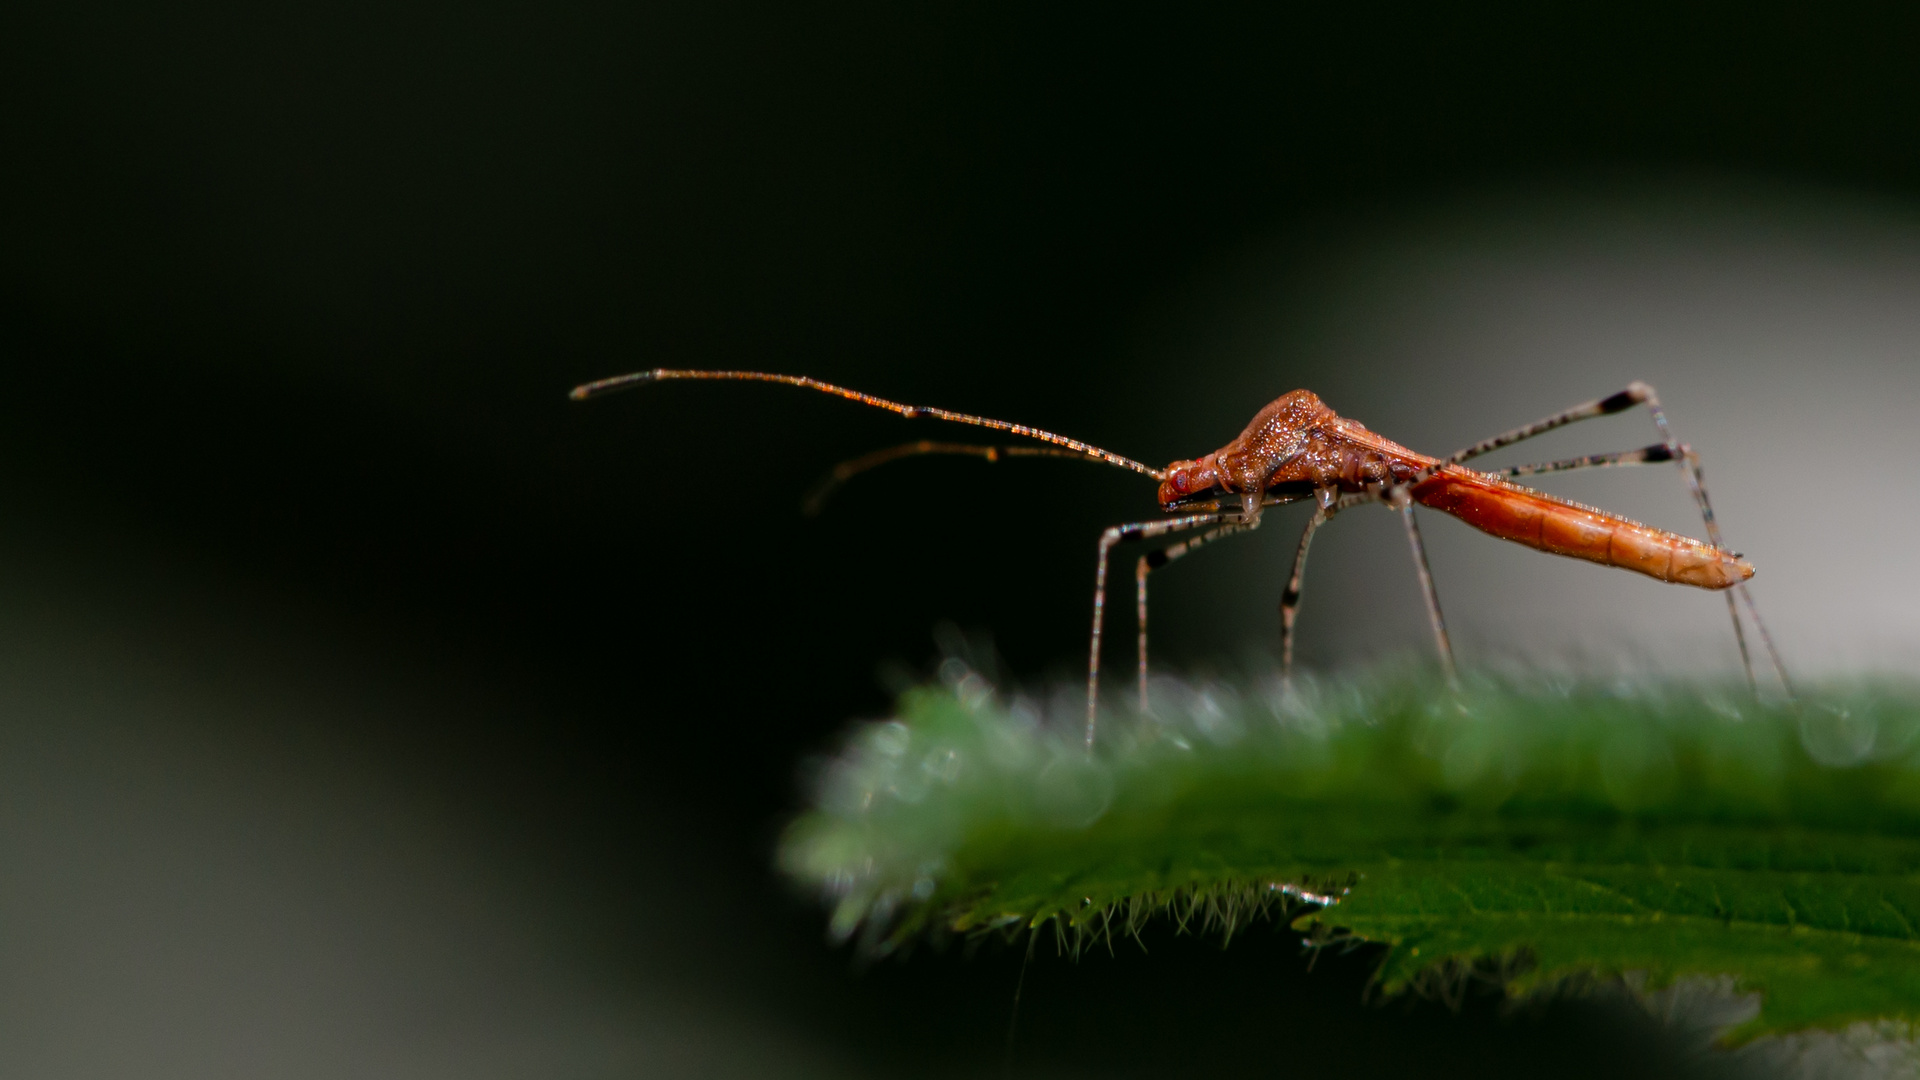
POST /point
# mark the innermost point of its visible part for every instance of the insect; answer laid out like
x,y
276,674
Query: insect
x,y
1299,449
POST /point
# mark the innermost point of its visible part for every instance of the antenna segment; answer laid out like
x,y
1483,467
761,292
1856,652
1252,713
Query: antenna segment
x,y
638,378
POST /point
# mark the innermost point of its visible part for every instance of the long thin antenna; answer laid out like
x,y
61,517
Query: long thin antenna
x,y
847,470
623,382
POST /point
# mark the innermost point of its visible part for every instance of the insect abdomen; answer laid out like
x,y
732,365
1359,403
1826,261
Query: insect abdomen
x,y
1558,527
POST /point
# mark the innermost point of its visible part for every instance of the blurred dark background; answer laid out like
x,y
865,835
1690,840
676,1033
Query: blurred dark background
x,y
370,709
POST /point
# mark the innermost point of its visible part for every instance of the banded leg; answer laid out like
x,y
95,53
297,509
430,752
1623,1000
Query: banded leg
x,y
1668,449
1636,393
1290,599
1696,478
1657,453
1326,506
1154,560
1399,500
1139,530
1696,483
1646,455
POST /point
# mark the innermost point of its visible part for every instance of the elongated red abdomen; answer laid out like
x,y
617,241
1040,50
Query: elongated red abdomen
x,y
1539,521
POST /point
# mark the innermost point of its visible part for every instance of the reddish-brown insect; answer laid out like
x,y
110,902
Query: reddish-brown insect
x,y
1297,448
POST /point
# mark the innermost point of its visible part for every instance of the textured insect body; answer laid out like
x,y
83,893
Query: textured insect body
x,y
1299,443
1296,449
1559,527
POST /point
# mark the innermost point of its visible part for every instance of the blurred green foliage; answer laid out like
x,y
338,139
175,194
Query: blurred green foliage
x,y
1536,829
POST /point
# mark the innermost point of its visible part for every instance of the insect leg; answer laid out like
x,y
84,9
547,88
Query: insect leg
x,y
1290,600
1657,453
1327,506
1648,455
1669,449
1139,530
1154,560
1696,484
1696,480
1636,393
1399,500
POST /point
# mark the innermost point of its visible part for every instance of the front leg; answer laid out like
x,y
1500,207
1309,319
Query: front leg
x,y
1139,530
1328,503
1154,560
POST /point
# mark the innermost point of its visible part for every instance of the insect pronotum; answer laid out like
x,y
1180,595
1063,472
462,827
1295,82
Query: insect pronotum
x,y
1296,449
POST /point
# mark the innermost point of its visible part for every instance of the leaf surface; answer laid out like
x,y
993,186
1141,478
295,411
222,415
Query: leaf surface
x,y
1557,831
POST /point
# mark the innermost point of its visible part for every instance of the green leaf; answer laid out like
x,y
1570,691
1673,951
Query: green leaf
x,y
1541,830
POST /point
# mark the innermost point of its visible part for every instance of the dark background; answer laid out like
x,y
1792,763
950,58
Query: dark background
x,y
375,710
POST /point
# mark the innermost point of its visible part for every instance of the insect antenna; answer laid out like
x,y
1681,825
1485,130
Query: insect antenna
x,y
639,378
847,470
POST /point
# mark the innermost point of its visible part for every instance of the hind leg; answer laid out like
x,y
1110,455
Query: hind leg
x,y
1668,449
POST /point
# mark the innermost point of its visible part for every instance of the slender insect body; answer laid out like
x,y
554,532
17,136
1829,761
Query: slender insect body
x,y
1298,441
1298,448
1558,527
